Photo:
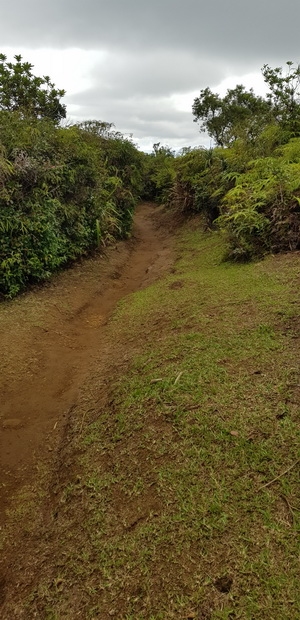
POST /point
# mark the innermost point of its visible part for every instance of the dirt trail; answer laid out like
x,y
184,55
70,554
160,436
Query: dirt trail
x,y
50,336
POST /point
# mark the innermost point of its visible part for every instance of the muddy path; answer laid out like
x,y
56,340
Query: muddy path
x,y
50,336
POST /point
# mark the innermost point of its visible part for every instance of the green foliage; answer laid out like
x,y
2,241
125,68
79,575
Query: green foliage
x,y
63,192
67,191
240,113
159,173
198,182
250,190
284,95
30,95
249,185
261,212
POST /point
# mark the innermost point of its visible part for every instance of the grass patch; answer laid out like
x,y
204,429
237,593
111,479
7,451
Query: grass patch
x,y
168,512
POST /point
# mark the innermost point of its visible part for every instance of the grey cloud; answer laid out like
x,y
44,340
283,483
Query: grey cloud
x,y
151,119
134,92
260,30
154,49
156,74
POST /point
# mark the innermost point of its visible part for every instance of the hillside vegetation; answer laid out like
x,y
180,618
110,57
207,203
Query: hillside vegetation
x,y
249,184
65,191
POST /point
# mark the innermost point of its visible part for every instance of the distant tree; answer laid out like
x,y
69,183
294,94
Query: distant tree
x,y
162,151
101,129
284,95
240,112
30,95
207,109
185,150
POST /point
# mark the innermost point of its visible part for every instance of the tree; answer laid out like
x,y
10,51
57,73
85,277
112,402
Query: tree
x,y
30,95
100,129
284,95
207,108
162,151
239,113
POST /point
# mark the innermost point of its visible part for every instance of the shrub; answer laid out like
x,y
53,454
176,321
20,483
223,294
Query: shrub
x,y
61,195
261,212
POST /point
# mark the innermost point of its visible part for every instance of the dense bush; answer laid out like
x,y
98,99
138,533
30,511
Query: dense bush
x,y
198,185
159,174
250,190
63,192
66,191
261,212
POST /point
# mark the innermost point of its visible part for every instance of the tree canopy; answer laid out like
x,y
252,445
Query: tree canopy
x,y
284,95
242,113
22,91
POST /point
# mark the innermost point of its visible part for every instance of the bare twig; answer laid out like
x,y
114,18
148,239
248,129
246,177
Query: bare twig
x,y
147,362
285,499
193,407
280,475
82,422
178,377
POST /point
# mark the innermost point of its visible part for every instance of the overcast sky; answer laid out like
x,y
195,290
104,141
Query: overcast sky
x,y
141,63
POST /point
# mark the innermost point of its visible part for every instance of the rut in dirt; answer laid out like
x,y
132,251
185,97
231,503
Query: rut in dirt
x,y
50,336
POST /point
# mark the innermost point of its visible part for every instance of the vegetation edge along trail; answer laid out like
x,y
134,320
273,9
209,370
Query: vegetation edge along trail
x,y
51,336
67,190
176,488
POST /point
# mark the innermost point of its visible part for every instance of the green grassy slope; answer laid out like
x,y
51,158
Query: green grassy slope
x,y
174,513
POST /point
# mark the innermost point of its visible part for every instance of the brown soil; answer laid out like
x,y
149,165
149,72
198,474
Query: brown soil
x,y
49,338
92,526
